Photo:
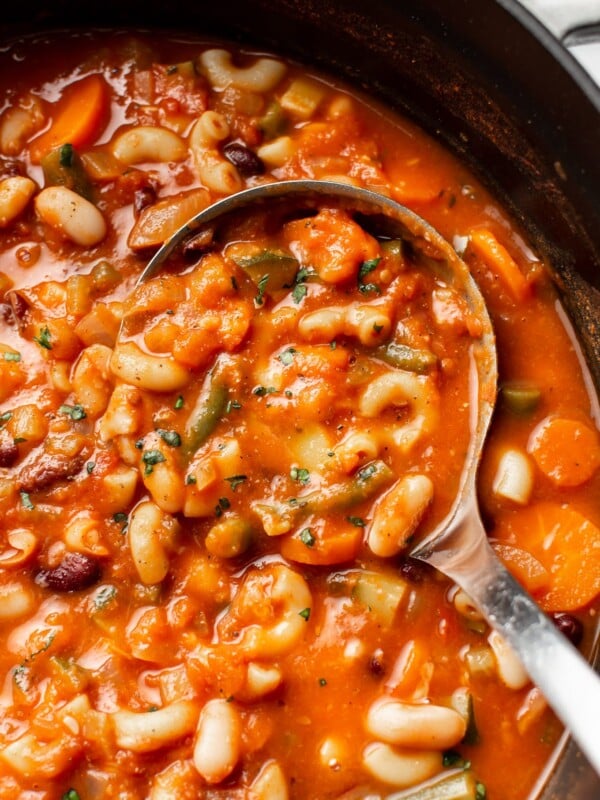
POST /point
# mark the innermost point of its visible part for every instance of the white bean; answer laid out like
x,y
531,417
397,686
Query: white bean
x,y
398,513
270,783
147,550
71,214
510,670
15,194
400,768
149,143
146,731
420,725
218,740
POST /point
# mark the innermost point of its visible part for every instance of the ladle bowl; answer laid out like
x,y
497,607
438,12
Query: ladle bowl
x,y
458,546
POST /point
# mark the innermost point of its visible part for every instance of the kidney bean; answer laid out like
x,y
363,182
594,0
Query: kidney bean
x,y
143,197
243,159
48,469
9,452
569,626
413,570
76,571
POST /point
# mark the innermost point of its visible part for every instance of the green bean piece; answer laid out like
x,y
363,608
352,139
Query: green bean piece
x,y
207,412
393,250
363,485
520,398
229,537
280,267
273,122
409,358
455,785
63,167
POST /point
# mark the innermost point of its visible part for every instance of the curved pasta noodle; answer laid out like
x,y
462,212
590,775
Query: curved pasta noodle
x,y
401,388
155,373
143,732
286,594
264,74
215,172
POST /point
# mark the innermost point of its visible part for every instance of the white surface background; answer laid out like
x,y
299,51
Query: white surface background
x,y
564,18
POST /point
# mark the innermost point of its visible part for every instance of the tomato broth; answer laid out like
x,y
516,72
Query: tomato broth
x,y
210,482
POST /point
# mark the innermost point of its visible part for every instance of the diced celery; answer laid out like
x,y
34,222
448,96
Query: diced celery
x,y
380,594
455,785
520,398
409,358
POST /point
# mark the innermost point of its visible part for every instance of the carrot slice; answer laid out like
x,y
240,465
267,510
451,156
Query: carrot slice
x,y
498,259
567,451
310,546
566,544
532,575
79,115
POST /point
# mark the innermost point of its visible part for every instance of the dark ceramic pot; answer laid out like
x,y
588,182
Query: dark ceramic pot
x,y
484,77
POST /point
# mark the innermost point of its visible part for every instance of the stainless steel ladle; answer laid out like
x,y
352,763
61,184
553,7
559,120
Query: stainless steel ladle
x,y
458,547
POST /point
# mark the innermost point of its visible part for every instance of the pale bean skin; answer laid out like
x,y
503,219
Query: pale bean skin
x,y
15,194
510,670
71,215
149,143
218,740
147,550
398,513
419,725
146,731
400,768
270,783
262,76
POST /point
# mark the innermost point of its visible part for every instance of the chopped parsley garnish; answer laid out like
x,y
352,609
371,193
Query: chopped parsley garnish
x,y
305,614
288,393
322,681
222,506
44,338
231,405
104,595
480,791
261,391
300,474
307,538
356,521
190,480
377,328
178,403
150,458
452,758
261,286
287,356
90,467
4,418
26,501
65,155
299,292
365,268
9,356
235,480
76,412
172,438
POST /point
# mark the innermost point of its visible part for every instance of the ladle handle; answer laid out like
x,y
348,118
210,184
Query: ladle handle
x,y
567,681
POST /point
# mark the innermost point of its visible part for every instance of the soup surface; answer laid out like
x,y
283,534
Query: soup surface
x,y
210,482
